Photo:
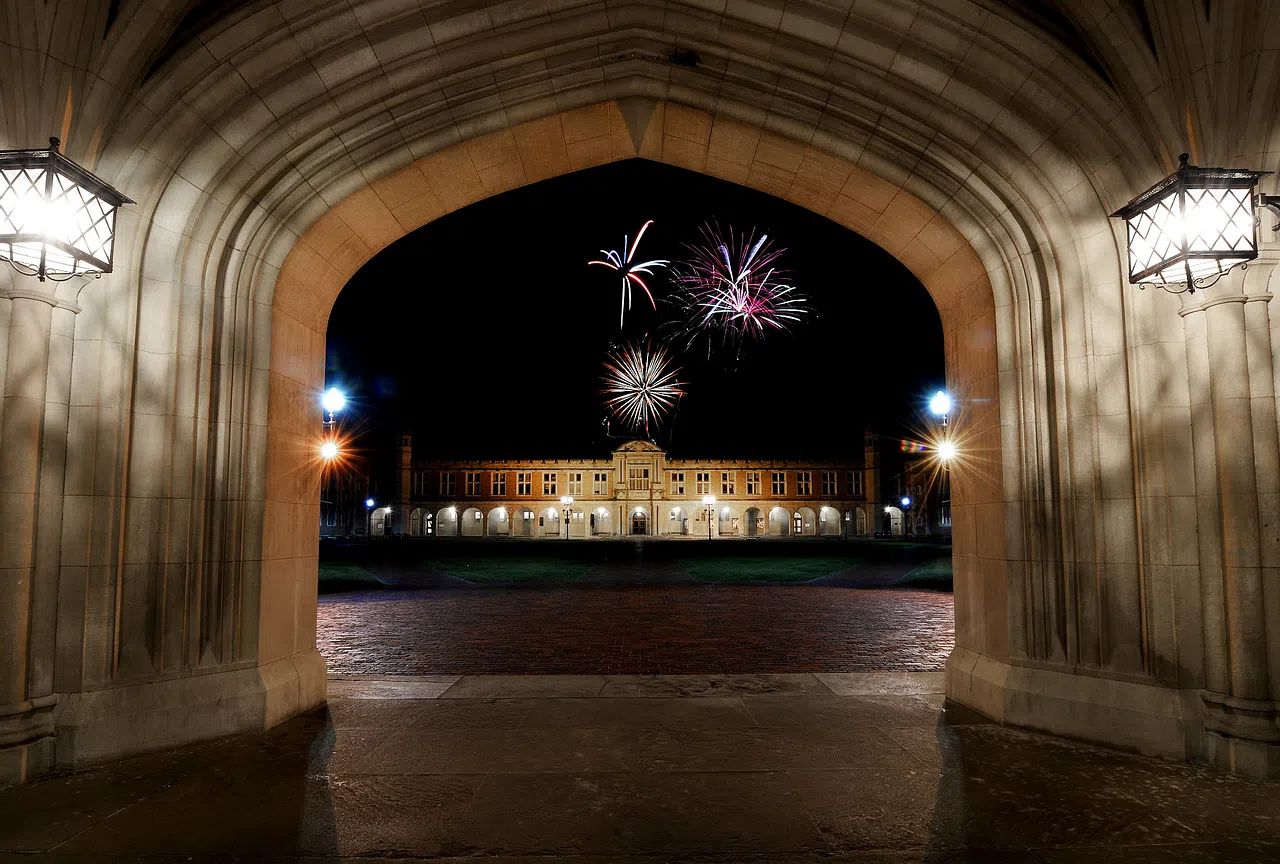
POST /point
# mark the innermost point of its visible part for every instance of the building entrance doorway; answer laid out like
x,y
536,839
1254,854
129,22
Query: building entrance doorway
x,y
639,522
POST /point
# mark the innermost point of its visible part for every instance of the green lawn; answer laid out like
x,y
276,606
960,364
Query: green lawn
x,y
932,574
767,569
340,576
510,568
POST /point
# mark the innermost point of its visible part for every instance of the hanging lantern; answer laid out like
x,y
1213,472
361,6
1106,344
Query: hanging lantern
x,y
1192,227
57,220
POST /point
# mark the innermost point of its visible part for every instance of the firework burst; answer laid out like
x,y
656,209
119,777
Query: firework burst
x,y
630,269
641,384
731,289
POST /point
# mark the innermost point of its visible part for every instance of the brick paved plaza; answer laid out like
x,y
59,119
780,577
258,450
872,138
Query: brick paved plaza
x,y
668,629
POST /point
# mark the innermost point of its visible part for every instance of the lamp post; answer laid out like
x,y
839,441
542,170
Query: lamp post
x,y
566,501
906,509
1194,226
368,507
57,220
709,501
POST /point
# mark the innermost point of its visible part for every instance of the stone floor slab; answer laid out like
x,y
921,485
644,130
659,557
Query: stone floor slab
x,y
686,813
685,686
392,687
883,683
525,686
734,770
656,712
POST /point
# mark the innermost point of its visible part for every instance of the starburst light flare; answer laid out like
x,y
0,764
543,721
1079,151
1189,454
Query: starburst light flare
x,y
641,384
731,288
630,269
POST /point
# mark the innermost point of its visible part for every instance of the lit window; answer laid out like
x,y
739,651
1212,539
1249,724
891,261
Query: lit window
x,y
499,483
677,482
600,483
728,483
638,479
753,482
574,480
549,483
779,483
704,483
446,484
473,484
524,483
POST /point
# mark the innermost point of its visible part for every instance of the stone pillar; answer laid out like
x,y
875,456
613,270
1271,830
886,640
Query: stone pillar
x,y
1237,466
36,340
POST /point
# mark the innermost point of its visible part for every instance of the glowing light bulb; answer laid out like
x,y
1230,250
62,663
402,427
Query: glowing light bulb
x,y
333,400
946,450
940,403
329,450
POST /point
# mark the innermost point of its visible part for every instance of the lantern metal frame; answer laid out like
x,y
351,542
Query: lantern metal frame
x,y
1175,188
15,164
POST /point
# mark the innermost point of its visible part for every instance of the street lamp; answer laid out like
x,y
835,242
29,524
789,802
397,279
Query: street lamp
x,y
368,506
57,220
940,405
333,402
329,450
709,501
1190,229
906,509
566,501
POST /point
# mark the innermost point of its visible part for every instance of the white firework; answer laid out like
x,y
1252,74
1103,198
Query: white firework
x,y
641,385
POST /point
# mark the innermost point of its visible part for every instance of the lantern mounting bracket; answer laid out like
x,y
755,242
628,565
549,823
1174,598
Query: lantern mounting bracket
x,y
1272,203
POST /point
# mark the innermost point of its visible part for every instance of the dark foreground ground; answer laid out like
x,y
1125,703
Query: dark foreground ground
x,y
640,770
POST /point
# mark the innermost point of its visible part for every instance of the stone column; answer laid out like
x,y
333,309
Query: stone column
x,y
36,375
1235,442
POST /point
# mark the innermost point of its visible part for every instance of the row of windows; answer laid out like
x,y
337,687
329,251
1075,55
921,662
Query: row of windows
x,y
638,479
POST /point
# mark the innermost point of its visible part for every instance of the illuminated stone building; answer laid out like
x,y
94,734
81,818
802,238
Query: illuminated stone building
x,y
637,491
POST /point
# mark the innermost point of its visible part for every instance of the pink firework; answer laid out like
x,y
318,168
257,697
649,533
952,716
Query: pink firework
x,y
630,269
641,384
732,286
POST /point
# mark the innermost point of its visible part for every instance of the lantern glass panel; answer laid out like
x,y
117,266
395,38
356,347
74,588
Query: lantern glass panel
x,y
52,223
1197,223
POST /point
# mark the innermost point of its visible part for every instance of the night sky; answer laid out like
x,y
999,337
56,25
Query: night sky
x,y
484,332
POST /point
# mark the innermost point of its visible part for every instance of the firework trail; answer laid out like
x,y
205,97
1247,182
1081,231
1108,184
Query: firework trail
x,y
630,269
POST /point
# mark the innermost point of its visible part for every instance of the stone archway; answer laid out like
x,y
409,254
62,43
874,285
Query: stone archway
x,y
337,243
270,157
